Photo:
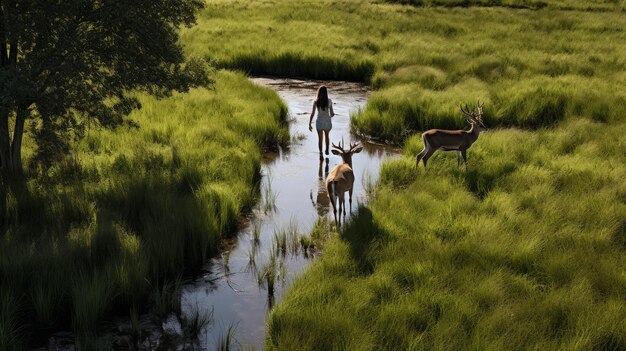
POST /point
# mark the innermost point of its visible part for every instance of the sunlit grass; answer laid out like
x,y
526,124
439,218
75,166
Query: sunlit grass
x,y
523,250
531,68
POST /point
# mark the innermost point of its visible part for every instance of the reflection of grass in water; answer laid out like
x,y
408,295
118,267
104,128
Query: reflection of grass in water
x,y
267,276
226,261
287,240
252,267
297,137
256,232
290,241
227,340
280,242
369,185
306,244
269,196
193,327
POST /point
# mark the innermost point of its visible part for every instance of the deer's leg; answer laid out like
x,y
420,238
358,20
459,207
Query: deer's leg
x,y
422,153
419,157
464,154
339,205
428,154
428,151
350,193
330,189
458,157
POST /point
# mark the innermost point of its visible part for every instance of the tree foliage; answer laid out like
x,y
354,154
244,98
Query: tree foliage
x,y
65,61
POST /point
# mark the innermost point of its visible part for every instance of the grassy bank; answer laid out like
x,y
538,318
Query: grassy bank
x,y
524,250
130,209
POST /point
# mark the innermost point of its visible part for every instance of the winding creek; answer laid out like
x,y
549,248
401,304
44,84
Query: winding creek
x,y
293,198
294,186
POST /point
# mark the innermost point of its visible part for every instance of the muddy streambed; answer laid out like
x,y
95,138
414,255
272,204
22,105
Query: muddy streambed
x,y
231,298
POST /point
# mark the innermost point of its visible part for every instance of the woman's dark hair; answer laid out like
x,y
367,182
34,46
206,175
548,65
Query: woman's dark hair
x,y
322,98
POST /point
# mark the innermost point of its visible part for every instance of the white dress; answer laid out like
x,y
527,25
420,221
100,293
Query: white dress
x,y
323,117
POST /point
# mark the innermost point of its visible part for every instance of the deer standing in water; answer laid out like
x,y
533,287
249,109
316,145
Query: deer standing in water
x,y
341,177
447,140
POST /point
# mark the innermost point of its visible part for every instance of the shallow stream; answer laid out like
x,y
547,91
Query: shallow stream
x,y
231,296
293,198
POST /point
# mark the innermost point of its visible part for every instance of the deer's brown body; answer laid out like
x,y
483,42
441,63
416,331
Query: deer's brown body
x,y
448,140
341,178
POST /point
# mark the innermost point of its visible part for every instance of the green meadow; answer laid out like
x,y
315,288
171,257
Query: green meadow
x,y
131,209
532,68
521,249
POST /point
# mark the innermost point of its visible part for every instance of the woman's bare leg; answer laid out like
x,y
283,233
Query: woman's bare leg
x,y
319,142
326,135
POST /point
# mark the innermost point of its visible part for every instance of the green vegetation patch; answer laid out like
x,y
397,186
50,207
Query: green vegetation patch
x,y
522,250
531,68
131,208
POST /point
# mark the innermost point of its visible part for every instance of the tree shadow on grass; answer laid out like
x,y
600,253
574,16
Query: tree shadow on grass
x,y
365,237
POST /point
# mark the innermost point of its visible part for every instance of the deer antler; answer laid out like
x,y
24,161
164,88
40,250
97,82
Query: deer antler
x,y
353,146
479,111
338,147
466,111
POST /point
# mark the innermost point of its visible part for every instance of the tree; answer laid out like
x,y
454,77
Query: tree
x,y
62,61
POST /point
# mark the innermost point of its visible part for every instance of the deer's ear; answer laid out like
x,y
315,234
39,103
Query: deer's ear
x,y
335,152
357,150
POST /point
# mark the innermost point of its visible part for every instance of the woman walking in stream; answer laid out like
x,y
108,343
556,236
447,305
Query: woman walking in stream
x,y
323,124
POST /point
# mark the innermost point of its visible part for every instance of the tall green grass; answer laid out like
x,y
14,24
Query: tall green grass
x,y
598,5
132,208
523,250
532,68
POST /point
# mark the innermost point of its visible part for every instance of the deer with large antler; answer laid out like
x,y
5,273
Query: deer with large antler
x,y
458,140
341,177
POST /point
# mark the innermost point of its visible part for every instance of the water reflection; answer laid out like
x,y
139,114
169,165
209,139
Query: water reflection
x,y
321,202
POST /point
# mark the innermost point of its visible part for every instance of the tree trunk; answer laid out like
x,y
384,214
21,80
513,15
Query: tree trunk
x,y
16,145
3,40
4,140
4,60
